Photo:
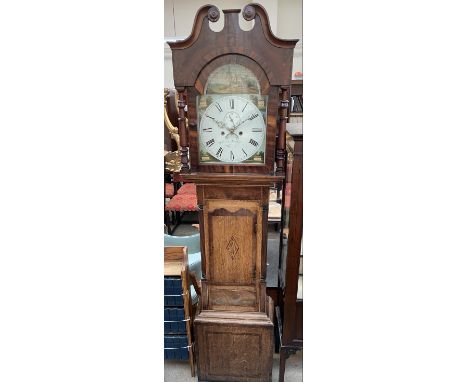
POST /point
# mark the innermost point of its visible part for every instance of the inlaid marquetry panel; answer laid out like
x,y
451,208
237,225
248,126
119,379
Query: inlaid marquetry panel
x,y
233,245
233,240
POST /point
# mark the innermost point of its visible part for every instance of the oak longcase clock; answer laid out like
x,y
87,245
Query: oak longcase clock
x,y
234,84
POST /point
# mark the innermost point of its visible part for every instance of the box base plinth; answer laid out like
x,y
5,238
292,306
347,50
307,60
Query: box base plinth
x,y
234,346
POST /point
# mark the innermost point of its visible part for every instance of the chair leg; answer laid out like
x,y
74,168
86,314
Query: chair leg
x,y
282,366
167,221
192,363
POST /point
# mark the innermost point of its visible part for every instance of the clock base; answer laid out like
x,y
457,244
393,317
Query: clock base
x,y
236,346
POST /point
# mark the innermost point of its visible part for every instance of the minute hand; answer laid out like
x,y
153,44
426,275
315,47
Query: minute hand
x,y
245,120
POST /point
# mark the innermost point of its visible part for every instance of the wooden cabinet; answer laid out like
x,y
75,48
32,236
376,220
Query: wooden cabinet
x,y
289,311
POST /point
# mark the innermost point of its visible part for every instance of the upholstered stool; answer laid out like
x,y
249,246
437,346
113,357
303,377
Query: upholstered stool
x,y
182,202
168,190
188,188
178,204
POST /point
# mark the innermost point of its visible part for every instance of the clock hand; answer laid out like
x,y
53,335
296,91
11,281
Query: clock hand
x,y
219,123
253,116
234,127
240,123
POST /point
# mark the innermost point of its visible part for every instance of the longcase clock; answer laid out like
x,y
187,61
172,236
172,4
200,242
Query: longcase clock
x,y
234,84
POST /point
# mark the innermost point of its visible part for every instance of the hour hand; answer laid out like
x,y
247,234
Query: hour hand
x,y
219,123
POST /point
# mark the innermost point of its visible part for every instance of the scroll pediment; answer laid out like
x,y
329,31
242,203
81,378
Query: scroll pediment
x,y
273,54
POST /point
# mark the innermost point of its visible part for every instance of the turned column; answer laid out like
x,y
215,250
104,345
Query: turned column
x,y
281,140
183,131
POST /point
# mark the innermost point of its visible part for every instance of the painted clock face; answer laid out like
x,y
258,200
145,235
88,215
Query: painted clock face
x,y
232,130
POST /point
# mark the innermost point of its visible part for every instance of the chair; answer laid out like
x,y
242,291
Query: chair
x,y
184,200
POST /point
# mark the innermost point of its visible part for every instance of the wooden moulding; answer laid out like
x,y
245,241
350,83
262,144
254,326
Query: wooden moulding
x,y
232,179
260,44
255,318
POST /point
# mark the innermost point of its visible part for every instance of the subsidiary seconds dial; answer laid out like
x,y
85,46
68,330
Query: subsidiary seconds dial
x,y
232,129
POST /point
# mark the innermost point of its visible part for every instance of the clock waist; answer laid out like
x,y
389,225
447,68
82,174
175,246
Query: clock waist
x,y
232,178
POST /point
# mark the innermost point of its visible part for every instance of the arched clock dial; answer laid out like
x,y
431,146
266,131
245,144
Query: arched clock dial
x,y
232,129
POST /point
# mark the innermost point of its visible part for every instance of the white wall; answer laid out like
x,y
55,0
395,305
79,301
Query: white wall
x,y
185,11
285,20
290,26
289,18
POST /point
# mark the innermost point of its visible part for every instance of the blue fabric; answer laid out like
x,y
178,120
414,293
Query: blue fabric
x,y
193,247
191,242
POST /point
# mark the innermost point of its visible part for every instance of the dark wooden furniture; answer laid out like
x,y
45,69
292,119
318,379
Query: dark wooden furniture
x,y
289,312
296,93
296,106
234,330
